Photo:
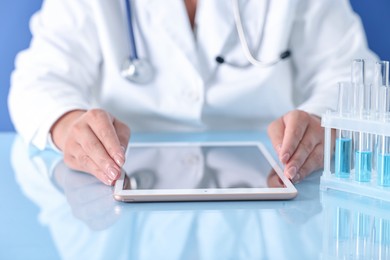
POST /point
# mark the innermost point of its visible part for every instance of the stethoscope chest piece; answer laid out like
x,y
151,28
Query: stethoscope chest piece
x,y
138,71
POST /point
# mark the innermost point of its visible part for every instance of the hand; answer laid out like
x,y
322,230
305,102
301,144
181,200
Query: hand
x,y
298,139
92,141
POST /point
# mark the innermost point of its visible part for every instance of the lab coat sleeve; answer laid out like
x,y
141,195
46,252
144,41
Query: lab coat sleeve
x,y
326,37
57,72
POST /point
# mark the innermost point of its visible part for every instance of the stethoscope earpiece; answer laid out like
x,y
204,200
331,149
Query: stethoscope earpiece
x,y
138,71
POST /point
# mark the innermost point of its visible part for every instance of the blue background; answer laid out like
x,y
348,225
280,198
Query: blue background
x,y
15,36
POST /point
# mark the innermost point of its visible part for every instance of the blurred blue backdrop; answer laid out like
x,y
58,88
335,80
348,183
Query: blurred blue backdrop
x,y
15,36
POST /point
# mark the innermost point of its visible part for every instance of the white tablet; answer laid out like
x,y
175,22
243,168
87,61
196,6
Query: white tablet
x,y
156,172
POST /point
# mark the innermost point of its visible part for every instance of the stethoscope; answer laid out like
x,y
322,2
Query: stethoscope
x,y
140,71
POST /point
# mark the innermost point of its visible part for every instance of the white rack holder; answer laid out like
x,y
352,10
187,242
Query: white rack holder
x,y
332,120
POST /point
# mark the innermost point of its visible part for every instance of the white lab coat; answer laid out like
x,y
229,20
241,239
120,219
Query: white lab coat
x,y
78,48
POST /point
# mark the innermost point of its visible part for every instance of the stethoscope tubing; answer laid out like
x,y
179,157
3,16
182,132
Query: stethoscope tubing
x,y
133,46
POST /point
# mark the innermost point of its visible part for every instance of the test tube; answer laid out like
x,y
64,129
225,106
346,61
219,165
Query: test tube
x,y
383,150
380,95
363,141
381,78
363,158
343,151
357,79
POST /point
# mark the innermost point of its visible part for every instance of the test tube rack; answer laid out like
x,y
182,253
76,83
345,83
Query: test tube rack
x,y
332,121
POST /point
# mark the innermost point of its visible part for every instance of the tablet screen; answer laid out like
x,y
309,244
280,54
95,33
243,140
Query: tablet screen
x,y
198,167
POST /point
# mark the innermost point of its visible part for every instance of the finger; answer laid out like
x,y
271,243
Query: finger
x,y
123,133
296,124
276,133
102,125
95,150
313,162
303,151
79,160
87,166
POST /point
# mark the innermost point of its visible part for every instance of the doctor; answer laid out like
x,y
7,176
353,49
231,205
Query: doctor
x,y
76,88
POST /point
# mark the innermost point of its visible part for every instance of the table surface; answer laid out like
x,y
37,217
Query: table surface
x,y
45,216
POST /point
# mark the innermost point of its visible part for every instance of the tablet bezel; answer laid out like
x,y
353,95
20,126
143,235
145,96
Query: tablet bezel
x,y
164,195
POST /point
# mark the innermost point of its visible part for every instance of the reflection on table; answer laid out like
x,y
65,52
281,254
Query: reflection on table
x,y
87,223
355,227
195,167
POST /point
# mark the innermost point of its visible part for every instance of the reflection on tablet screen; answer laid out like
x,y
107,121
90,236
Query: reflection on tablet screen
x,y
195,167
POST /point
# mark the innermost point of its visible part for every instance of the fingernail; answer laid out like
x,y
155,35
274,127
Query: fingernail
x,y
123,148
107,181
292,172
112,173
285,158
297,178
119,160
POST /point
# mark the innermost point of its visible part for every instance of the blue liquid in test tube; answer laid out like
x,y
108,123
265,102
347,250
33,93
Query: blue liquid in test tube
x,y
363,166
383,151
383,169
343,151
343,157
363,141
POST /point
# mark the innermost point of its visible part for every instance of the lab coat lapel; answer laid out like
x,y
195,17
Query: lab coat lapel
x,y
217,29
172,17
215,23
